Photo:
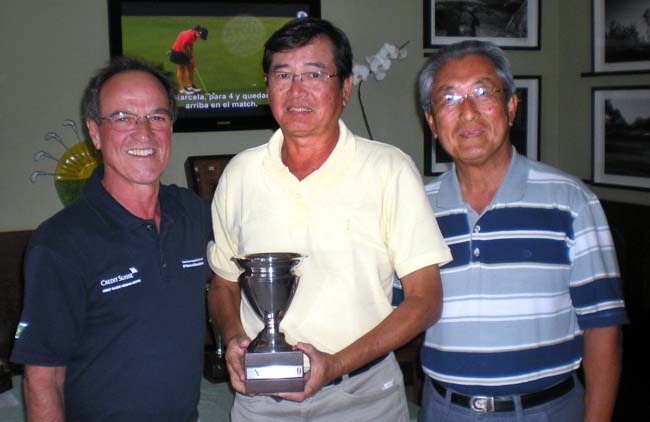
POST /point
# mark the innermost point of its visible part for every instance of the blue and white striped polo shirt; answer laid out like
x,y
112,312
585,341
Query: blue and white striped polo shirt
x,y
527,276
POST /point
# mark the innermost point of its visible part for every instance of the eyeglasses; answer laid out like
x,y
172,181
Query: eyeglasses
x,y
309,79
123,121
481,96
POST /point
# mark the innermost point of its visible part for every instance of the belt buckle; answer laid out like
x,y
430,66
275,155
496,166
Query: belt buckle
x,y
482,404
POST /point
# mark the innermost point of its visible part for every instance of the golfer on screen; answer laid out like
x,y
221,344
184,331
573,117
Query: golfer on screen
x,y
182,54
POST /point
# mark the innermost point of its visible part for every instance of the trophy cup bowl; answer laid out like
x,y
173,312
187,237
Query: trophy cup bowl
x,y
269,283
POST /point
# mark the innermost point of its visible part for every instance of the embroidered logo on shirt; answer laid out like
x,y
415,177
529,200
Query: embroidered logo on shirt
x,y
21,327
193,262
120,281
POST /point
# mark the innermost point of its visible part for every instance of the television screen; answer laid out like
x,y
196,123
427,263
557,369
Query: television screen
x,y
219,75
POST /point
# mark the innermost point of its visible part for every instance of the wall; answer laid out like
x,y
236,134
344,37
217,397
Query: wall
x,y
48,56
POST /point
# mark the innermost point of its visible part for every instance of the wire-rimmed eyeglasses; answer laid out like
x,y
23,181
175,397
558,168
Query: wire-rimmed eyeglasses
x,y
481,96
313,78
123,121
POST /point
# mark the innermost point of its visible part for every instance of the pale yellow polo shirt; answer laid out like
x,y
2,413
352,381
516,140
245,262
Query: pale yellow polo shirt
x,y
358,218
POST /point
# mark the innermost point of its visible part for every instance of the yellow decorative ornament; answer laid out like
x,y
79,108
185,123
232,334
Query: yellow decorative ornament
x,y
73,168
73,171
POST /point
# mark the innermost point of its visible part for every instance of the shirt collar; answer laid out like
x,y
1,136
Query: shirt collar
x,y
336,162
512,189
111,210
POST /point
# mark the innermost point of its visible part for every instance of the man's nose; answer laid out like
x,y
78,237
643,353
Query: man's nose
x,y
296,83
468,107
142,124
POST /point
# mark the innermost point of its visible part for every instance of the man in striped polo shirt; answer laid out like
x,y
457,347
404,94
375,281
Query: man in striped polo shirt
x,y
533,291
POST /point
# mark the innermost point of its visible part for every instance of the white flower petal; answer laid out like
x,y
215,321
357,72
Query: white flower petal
x,y
361,70
380,75
360,73
385,65
373,62
389,51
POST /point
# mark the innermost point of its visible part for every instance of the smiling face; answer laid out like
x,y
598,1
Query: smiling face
x,y
472,134
139,156
312,111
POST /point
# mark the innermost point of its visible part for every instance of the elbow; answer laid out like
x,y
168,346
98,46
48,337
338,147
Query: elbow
x,y
434,313
433,307
428,312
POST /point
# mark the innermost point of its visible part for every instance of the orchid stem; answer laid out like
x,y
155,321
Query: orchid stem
x,y
363,111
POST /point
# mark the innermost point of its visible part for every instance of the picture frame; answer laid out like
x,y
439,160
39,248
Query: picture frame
x,y
621,136
510,25
524,133
203,173
620,42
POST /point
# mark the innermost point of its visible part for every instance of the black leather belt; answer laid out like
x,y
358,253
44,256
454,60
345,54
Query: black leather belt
x,y
506,404
359,370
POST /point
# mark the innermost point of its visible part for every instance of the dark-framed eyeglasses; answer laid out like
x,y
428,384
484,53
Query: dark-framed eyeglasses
x,y
123,121
313,78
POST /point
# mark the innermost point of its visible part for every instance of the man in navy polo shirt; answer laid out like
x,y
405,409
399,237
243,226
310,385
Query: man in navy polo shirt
x,y
113,321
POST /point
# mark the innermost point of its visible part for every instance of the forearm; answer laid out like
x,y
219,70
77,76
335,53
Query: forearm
x,y
43,389
401,326
420,308
602,367
224,301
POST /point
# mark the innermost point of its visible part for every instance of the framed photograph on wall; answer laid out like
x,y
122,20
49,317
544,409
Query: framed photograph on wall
x,y
203,173
524,133
510,24
621,36
621,136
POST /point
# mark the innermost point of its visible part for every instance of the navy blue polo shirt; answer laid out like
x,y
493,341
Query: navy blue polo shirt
x,y
120,304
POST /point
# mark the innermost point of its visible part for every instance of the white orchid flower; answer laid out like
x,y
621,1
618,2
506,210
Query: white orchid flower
x,y
360,72
378,63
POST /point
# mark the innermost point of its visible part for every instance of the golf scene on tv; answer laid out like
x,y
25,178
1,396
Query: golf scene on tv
x,y
222,66
213,49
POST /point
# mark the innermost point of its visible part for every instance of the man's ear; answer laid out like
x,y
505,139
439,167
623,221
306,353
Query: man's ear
x,y
347,90
93,131
432,123
513,102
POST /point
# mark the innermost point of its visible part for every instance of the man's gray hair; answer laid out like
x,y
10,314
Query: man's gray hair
x,y
486,49
90,100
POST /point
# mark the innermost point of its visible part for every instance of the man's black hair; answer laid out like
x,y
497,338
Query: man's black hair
x,y
300,32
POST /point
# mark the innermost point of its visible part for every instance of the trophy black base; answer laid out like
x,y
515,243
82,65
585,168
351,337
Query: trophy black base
x,y
274,372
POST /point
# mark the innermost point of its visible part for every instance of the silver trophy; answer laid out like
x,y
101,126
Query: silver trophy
x,y
269,283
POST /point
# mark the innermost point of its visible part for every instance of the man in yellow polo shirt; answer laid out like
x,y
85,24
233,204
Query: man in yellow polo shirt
x,y
357,209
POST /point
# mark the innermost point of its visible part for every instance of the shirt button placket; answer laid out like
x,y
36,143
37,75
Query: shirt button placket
x,y
476,250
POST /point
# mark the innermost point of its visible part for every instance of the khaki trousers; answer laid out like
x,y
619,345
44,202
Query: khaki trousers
x,y
376,395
